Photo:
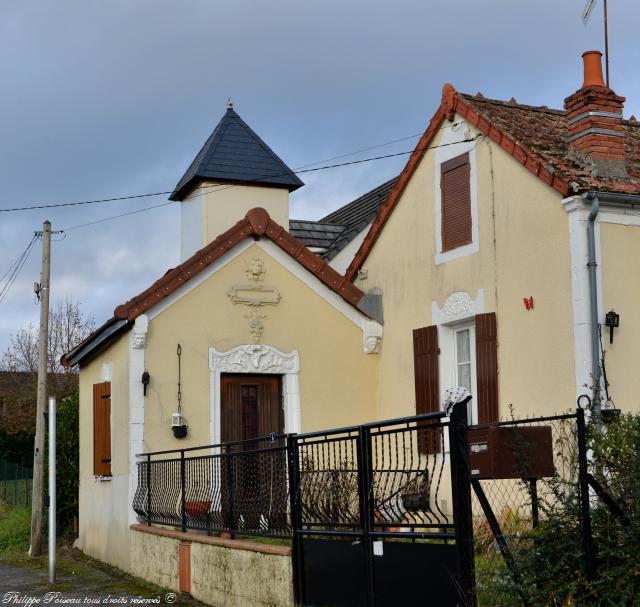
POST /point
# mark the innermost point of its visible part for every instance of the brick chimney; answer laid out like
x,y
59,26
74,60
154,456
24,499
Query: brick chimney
x,y
594,121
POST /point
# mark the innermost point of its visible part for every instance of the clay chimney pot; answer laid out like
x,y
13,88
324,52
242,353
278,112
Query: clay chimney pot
x,y
592,69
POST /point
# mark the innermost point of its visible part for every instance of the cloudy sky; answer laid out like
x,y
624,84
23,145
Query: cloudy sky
x,y
107,98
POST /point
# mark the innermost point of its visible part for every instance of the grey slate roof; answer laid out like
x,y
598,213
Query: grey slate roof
x,y
314,233
335,231
234,153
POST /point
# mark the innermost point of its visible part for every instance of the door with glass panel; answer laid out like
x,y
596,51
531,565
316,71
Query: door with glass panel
x,y
465,366
254,477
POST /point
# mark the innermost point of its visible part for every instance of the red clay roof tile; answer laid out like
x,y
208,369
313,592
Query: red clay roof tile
x,y
535,136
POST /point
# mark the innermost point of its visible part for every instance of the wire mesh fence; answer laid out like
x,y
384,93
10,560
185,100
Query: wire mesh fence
x,y
15,484
519,504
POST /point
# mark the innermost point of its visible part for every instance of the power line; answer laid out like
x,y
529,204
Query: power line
x,y
218,187
17,266
90,223
302,169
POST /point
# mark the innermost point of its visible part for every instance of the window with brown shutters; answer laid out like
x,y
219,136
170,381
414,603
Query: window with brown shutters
x,y
102,429
425,366
487,367
455,187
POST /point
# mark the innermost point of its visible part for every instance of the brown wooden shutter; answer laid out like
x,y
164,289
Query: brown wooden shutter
x,y
455,185
102,429
487,367
425,366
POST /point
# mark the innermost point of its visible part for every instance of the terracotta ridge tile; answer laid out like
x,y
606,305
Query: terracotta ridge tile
x,y
256,223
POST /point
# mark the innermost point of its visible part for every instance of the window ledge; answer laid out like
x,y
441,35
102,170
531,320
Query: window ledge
x,y
451,254
101,479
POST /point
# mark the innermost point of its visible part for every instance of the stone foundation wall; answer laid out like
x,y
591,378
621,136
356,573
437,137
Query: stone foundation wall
x,y
216,571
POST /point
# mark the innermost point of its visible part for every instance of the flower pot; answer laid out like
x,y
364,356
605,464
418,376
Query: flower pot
x,y
197,508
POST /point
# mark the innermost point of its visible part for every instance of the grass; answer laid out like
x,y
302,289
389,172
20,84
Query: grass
x,y
76,572
15,530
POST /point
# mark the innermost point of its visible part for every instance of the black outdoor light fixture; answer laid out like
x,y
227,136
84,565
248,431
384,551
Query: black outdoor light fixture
x,y
611,320
178,421
146,378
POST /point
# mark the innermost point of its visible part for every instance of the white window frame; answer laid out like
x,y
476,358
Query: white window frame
x,y
448,366
451,139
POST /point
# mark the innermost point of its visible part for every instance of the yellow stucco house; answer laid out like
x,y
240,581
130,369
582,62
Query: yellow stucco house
x,y
491,262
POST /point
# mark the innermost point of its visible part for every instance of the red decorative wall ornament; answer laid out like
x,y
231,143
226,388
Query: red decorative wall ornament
x,y
528,303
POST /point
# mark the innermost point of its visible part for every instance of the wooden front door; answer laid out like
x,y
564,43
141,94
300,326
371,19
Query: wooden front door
x,y
254,481
251,407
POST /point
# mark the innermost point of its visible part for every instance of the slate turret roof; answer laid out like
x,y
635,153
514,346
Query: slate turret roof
x,y
235,154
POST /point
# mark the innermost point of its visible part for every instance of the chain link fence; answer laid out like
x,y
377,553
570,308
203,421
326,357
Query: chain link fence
x,y
15,484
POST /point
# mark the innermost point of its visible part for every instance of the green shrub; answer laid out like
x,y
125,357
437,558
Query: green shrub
x,y
551,562
68,445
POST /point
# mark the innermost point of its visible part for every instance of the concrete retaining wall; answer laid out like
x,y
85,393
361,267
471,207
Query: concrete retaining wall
x,y
216,571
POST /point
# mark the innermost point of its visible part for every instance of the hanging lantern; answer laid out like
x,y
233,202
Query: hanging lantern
x,y
178,421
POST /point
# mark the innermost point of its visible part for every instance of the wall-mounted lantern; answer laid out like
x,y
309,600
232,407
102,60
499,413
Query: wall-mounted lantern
x,y
146,378
178,421
611,320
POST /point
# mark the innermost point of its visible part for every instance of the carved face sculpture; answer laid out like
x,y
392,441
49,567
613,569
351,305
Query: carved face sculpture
x,y
255,269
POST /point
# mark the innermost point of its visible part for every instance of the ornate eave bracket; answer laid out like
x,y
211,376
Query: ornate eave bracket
x,y
140,330
371,336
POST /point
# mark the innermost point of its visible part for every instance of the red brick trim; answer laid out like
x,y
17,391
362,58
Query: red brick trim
x,y
184,567
452,103
213,541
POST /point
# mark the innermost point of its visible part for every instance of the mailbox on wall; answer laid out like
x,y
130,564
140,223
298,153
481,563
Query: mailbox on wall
x,y
509,452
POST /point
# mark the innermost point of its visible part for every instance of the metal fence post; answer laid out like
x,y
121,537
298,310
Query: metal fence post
x,y
461,496
585,512
230,488
183,510
295,506
365,490
148,490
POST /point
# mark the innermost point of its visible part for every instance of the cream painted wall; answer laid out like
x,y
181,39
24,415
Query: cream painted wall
x,y
103,504
337,380
213,208
523,251
620,252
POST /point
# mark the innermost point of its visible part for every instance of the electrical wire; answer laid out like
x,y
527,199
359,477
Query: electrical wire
x,y
17,266
219,187
286,174
90,223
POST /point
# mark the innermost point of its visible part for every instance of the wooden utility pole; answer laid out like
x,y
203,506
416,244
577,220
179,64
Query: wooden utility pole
x,y
38,451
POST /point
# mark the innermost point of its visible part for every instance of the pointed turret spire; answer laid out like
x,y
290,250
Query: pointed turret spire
x,y
235,154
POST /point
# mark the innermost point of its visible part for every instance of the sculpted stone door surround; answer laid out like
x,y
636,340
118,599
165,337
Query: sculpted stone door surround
x,y
256,359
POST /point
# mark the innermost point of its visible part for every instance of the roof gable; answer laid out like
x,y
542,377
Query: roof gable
x,y
256,224
235,153
535,136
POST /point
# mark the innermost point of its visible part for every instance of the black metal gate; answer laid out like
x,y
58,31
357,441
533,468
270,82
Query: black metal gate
x,y
380,517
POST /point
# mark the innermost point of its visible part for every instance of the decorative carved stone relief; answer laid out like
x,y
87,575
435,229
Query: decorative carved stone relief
x,y
458,305
371,336
140,329
255,325
255,295
253,359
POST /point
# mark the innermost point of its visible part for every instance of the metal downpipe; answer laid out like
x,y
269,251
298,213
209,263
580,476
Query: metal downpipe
x,y
592,264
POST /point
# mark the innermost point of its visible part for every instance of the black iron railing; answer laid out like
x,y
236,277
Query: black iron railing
x,y
380,470
385,481
239,487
